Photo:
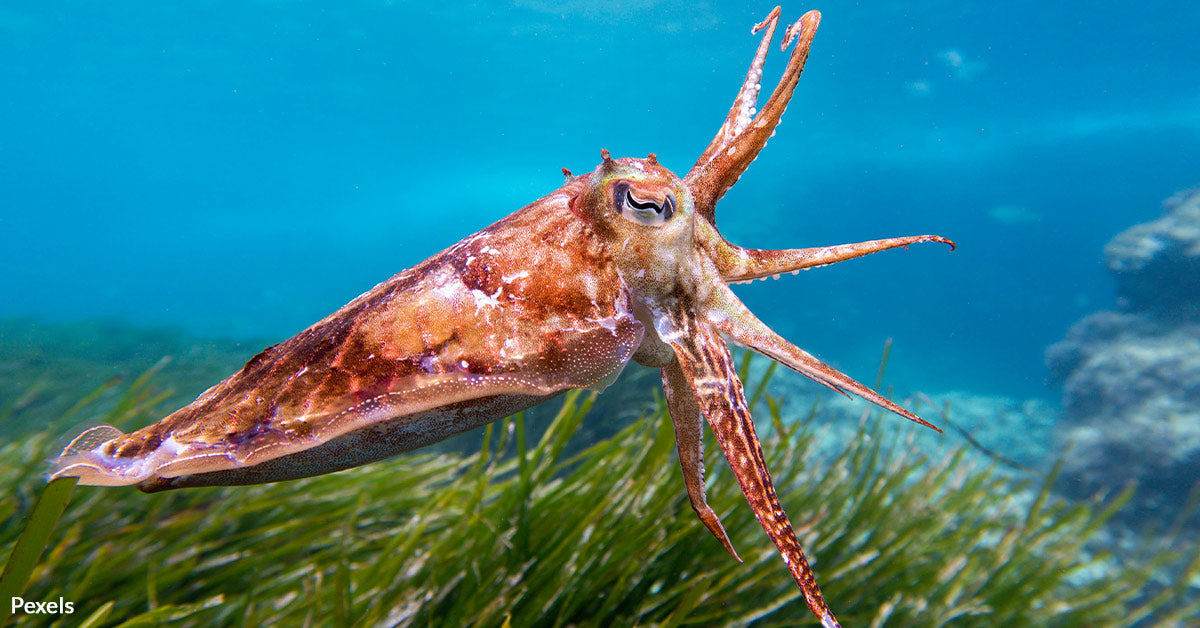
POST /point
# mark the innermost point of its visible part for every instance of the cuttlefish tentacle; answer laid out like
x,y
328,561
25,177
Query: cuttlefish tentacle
x,y
707,367
689,440
741,137
727,313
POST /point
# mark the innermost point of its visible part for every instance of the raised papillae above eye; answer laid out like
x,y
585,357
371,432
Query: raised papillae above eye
x,y
642,209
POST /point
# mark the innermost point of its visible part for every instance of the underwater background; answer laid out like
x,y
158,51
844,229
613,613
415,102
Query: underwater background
x,y
243,169
221,175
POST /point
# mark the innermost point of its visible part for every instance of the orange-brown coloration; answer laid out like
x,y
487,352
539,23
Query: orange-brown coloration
x,y
487,318
621,263
705,363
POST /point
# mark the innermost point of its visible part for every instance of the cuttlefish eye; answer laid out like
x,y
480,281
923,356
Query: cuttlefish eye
x,y
646,211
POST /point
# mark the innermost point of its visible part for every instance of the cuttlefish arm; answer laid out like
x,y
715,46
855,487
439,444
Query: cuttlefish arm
x,y
742,111
745,131
689,440
737,264
704,363
728,314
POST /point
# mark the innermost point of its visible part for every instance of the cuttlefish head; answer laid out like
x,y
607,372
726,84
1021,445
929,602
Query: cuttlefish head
x,y
647,216
660,231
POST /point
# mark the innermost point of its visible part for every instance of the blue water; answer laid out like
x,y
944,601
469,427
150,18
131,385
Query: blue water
x,y
242,169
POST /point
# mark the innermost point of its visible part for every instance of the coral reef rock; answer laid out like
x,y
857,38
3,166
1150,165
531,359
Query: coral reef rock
x,y
1157,264
1131,378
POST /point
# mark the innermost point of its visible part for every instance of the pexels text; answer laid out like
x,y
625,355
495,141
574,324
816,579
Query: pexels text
x,y
57,607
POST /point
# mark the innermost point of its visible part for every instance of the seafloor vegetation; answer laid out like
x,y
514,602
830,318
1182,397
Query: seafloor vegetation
x,y
527,533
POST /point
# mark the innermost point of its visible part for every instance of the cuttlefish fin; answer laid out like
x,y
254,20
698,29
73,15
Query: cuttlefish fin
x,y
689,439
727,314
706,367
735,263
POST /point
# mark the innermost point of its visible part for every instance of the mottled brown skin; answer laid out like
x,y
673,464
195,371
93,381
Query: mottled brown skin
x,y
404,329
486,323
621,263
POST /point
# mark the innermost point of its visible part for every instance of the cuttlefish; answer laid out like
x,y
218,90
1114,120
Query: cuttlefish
x,y
621,263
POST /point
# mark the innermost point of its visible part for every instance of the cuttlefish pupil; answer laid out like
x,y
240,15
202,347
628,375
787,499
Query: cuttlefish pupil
x,y
642,207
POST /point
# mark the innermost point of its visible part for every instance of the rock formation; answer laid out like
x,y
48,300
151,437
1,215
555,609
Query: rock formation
x,y
1131,377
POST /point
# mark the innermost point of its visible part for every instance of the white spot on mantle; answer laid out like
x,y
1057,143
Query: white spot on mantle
x,y
510,348
513,277
483,299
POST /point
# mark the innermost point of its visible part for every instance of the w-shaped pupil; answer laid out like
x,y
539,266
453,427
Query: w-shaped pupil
x,y
634,202
647,211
